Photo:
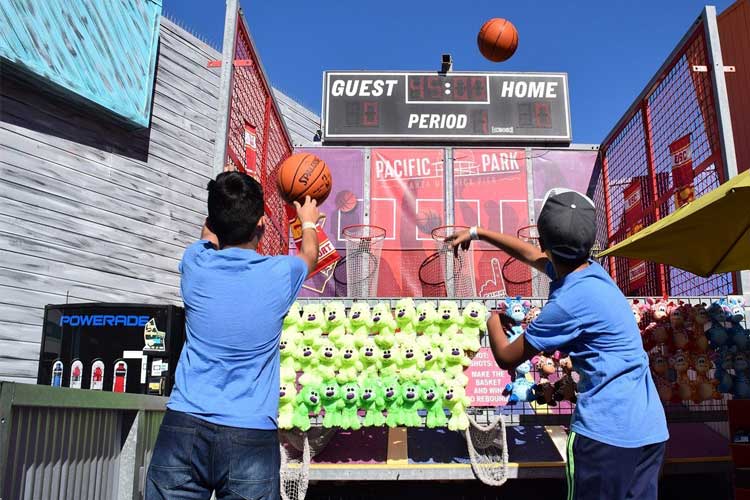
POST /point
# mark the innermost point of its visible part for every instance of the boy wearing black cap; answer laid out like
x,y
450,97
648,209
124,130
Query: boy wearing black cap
x,y
618,430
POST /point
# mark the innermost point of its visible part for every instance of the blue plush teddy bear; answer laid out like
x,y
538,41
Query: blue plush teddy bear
x,y
516,309
521,389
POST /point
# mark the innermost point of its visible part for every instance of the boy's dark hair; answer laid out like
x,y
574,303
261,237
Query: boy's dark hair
x,y
235,205
567,227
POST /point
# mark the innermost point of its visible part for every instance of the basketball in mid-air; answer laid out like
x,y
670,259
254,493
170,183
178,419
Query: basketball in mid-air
x,y
498,39
304,174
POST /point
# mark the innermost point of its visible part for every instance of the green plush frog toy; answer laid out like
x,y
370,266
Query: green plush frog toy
x,y
307,403
410,405
432,400
287,395
336,322
383,325
330,395
371,400
456,401
393,398
349,416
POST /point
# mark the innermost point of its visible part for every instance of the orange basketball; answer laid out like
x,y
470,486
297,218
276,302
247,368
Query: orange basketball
x,y
304,174
498,39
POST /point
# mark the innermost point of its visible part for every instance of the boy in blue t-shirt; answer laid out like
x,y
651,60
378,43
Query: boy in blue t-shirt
x,y
618,430
219,432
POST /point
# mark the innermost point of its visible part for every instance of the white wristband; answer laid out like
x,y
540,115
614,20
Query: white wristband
x,y
474,233
309,225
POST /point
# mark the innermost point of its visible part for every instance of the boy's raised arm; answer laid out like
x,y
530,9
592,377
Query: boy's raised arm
x,y
309,214
515,247
508,355
207,234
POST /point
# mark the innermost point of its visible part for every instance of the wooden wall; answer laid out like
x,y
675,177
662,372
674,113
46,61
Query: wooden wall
x,y
734,32
90,211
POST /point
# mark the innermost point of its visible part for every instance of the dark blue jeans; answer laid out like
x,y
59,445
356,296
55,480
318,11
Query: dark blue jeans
x,y
193,458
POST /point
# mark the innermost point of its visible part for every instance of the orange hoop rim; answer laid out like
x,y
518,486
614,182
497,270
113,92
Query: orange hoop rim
x,y
376,233
441,239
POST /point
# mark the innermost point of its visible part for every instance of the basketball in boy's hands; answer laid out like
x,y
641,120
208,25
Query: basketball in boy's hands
x,y
497,39
304,174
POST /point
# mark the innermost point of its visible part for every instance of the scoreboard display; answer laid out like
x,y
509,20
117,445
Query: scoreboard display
x,y
460,107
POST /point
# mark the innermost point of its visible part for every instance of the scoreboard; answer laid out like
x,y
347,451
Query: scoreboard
x,y
411,107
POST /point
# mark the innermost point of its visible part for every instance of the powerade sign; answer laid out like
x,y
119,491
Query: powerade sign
x,y
103,320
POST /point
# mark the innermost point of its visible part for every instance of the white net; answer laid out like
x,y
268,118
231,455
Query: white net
x,y
539,281
295,459
458,270
488,451
363,248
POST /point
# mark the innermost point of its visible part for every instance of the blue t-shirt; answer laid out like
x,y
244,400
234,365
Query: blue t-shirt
x,y
588,317
235,303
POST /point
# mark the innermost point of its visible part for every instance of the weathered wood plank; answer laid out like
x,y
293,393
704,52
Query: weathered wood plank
x,y
24,315
99,177
87,235
82,292
188,131
196,44
165,75
30,197
203,119
11,295
65,238
28,171
19,341
112,264
96,272
200,74
166,148
121,166
165,88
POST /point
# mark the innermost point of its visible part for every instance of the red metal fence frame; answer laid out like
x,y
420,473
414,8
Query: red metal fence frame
x,y
252,102
679,100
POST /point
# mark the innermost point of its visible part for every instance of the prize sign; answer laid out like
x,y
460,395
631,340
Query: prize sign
x,y
459,107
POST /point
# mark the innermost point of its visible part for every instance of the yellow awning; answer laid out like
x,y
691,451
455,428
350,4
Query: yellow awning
x,y
707,236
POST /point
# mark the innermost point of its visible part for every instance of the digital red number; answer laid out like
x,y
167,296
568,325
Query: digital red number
x,y
416,88
434,88
460,88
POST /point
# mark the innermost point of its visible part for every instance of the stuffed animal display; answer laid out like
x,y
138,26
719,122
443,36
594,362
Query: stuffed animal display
x,y
697,352
376,366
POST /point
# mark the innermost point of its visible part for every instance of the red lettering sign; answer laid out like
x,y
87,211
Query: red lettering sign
x,y
682,171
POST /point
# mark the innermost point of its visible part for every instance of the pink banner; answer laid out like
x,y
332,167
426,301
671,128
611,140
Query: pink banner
x,y
487,381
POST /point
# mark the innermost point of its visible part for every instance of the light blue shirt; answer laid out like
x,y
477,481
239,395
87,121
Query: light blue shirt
x,y
588,317
235,303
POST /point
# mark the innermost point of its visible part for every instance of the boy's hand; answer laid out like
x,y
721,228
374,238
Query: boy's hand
x,y
461,239
309,211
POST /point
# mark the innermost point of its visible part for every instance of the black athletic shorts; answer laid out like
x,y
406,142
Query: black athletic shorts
x,y
598,471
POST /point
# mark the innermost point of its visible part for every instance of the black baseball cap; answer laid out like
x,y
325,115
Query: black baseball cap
x,y
567,224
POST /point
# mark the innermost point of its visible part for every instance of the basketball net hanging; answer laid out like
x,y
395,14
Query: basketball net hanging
x,y
458,270
488,451
295,470
363,248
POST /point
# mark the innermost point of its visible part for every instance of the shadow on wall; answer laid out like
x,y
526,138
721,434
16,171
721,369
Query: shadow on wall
x,y
29,102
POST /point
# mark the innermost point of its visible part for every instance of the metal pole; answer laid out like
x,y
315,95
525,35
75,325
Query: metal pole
x,y
450,284
367,283
225,87
726,136
649,146
531,197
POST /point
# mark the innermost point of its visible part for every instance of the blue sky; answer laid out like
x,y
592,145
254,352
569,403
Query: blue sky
x,y
609,48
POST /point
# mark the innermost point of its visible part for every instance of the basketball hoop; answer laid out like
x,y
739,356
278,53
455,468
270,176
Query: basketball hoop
x,y
458,270
363,247
488,451
525,281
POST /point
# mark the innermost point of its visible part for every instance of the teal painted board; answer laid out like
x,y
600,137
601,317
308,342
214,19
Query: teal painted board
x,y
101,50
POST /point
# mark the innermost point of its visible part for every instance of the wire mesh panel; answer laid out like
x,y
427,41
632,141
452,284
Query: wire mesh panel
x,y
252,105
636,155
457,268
363,247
